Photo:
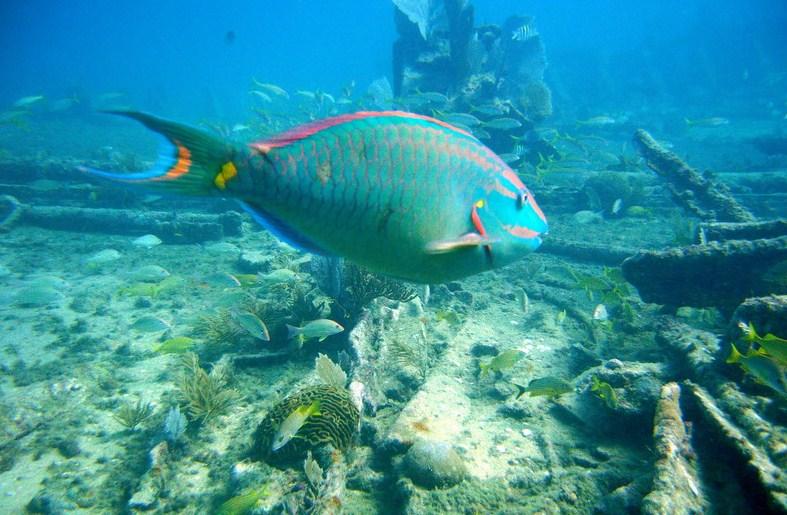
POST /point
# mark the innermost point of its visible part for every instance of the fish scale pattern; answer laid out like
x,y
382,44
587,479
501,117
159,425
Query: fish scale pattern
x,y
336,424
361,186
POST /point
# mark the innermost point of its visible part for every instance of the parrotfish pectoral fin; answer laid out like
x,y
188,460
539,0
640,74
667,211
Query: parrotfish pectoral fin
x,y
471,239
196,163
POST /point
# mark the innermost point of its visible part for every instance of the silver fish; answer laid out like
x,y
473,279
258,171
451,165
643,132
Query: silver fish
x,y
466,119
221,279
150,324
251,324
509,157
261,95
273,89
503,124
434,97
524,33
320,329
147,241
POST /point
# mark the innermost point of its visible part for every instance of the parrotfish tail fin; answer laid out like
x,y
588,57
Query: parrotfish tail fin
x,y
520,390
195,163
734,356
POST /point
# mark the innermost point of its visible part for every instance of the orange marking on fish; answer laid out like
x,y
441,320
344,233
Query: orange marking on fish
x,y
509,174
181,166
520,232
498,187
478,159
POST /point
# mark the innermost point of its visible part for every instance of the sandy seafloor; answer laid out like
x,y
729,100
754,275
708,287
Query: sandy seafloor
x,y
68,366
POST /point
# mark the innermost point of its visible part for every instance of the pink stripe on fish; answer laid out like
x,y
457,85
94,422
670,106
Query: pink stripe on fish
x,y
520,232
304,131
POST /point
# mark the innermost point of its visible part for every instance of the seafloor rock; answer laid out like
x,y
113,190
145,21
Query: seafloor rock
x,y
46,504
676,487
255,261
336,424
696,350
713,275
636,390
766,314
434,464
626,498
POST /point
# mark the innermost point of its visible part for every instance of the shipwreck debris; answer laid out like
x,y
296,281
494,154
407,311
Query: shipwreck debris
x,y
695,192
676,486
712,275
171,227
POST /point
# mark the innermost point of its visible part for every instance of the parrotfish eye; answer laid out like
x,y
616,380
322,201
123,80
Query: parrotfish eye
x,y
521,200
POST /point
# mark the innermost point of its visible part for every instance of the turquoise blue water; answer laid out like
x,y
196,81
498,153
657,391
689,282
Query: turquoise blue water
x,y
155,345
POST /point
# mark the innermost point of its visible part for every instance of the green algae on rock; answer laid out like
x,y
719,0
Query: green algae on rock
x,y
336,424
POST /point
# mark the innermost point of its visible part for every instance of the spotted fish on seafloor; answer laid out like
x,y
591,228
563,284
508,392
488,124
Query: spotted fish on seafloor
x,y
398,193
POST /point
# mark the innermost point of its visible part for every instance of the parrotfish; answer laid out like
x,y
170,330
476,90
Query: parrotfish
x,y
398,193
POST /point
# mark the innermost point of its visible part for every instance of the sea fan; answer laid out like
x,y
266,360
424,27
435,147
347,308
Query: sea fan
x,y
418,12
329,372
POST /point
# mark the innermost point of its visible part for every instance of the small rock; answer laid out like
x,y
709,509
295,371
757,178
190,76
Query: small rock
x,y
586,217
504,390
45,503
484,349
68,447
600,454
464,297
159,455
365,480
254,261
626,498
434,464
516,409
143,499
583,460
142,303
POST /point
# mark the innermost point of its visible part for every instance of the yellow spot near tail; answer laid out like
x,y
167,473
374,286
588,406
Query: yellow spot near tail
x,y
228,171
479,204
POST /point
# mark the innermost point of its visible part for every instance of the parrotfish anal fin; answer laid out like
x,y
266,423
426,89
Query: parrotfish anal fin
x,y
281,230
471,239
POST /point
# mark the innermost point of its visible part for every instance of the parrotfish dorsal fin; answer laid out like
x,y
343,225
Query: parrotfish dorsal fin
x,y
304,131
